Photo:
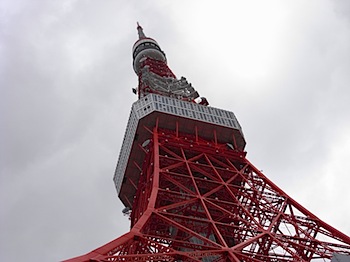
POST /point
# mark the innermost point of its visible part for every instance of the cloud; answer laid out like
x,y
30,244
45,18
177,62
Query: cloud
x,y
66,80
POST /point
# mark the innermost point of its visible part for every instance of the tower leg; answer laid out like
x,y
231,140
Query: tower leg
x,y
200,200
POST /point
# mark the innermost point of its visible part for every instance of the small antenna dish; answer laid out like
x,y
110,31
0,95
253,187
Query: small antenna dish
x,y
146,143
126,211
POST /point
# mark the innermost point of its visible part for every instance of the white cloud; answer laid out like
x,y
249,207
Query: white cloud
x,y
66,79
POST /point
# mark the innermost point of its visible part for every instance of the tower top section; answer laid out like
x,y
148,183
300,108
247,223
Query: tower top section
x,y
168,103
145,47
150,64
140,31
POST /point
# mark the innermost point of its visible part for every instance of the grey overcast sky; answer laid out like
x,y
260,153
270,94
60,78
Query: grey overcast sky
x,y
283,67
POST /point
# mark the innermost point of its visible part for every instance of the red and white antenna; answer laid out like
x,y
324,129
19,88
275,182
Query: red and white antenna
x,y
140,31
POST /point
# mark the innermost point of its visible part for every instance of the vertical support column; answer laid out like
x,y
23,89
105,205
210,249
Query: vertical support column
x,y
215,138
152,184
155,178
234,141
177,129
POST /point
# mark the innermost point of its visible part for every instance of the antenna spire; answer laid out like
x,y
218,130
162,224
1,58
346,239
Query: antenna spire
x,y
140,31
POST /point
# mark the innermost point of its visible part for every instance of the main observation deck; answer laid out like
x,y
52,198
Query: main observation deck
x,y
169,113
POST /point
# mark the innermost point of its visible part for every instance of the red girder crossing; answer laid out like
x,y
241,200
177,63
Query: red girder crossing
x,y
199,200
193,193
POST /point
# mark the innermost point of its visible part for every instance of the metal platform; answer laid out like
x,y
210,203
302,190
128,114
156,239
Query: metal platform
x,y
171,113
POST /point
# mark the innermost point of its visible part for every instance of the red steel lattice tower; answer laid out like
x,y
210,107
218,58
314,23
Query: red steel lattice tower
x,y
189,189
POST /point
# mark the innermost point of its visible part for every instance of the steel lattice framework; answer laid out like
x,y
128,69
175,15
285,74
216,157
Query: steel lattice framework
x,y
199,201
194,195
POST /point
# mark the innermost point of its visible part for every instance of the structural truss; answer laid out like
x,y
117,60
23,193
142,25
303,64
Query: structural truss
x,y
200,201
191,192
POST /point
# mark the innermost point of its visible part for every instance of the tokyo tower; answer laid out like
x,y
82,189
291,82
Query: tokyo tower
x,y
190,191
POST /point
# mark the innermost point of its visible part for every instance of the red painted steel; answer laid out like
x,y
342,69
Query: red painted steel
x,y
202,201
159,68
